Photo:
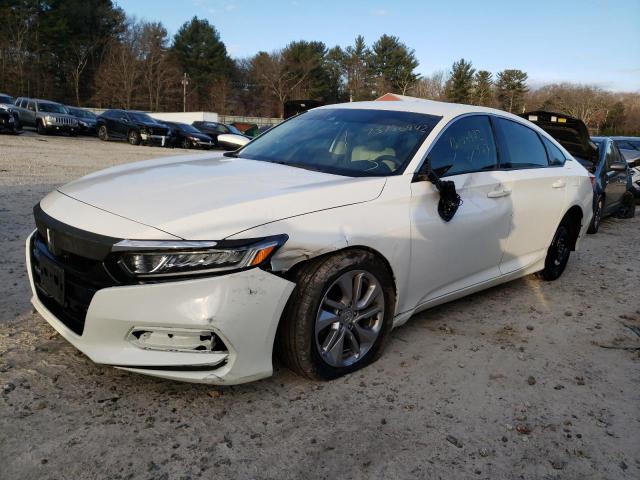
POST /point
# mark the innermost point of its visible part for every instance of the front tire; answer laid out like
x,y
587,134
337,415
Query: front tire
x,y
557,254
339,316
133,137
186,144
597,216
40,128
103,133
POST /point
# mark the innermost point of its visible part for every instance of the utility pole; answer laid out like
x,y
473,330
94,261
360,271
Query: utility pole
x,y
185,82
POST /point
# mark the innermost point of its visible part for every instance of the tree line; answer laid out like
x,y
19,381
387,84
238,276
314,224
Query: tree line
x,y
90,53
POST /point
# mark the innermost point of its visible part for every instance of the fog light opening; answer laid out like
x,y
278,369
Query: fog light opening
x,y
176,340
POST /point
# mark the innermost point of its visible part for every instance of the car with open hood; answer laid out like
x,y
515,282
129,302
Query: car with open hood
x,y
600,156
312,241
135,127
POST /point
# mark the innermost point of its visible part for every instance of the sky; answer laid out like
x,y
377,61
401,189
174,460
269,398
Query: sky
x,y
581,41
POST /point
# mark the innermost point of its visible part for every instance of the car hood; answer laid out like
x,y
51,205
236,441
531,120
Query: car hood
x,y
212,197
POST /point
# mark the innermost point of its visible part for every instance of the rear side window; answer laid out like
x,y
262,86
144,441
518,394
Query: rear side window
x,y
520,147
465,146
556,157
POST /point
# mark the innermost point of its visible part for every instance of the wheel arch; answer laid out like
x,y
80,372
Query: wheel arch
x,y
573,219
293,270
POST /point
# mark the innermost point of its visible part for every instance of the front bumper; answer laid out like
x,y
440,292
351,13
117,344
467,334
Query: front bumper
x,y
243,309
162,140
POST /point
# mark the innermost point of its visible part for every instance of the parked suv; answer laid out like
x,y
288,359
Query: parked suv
x,y
46,116
134,127
316,239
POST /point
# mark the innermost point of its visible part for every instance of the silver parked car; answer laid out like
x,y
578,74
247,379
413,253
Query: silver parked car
x,y
46,116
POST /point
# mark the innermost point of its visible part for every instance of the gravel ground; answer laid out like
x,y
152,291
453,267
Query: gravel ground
x,y
512,382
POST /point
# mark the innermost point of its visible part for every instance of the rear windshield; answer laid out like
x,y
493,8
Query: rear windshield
x,y
346,141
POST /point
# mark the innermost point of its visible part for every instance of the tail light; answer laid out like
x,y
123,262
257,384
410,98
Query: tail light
x,y
592,177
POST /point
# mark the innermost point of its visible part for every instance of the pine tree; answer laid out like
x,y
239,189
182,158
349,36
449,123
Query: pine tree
x,y
511,88
483,88
459,87
392,64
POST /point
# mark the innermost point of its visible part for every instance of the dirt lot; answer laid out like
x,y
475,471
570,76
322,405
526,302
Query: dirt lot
x,y
509,383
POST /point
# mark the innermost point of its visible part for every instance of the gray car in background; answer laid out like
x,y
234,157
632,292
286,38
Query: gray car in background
x,y
45,116
630,150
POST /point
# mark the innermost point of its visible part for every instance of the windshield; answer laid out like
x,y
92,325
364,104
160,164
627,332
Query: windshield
x,y
344,141
140,117
6,99
51,108
233,129
78,112
628,144
187,128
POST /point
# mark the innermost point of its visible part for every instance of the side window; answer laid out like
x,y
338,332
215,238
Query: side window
x,y
465,146
556,157
31,106
520,147
221,129
610,154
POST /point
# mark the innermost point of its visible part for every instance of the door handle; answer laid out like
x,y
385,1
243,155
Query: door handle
x,y
558,184
503,192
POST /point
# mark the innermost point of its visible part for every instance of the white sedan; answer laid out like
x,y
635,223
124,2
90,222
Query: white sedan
x,y
315,239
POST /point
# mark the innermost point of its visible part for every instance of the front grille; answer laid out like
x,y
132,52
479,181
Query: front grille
x,y
159,131
83,277
64,121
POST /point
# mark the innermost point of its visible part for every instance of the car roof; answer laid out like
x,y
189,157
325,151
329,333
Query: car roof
x,y
625,138
429,107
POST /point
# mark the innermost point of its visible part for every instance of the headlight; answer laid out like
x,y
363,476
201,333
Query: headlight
x,y
154,259
48,119
194,139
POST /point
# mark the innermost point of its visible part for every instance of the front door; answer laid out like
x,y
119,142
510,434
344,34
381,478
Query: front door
x,y
447,257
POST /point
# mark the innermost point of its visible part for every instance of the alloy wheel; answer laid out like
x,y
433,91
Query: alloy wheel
x,y
350,318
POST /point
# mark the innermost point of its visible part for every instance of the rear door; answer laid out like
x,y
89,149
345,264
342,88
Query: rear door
x,y
447,257
538,190
30,114
616,181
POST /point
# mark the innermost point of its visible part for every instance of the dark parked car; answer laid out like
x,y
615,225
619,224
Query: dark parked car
x,y
46,116
6,104
215,129
7,121
188,136
134,127
600,156
86,120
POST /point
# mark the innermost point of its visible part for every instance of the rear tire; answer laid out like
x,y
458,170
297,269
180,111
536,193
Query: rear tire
x,y
597,216
103,133
557,254
311,316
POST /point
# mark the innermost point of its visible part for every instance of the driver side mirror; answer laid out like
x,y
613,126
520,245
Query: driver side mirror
x,y
450,201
